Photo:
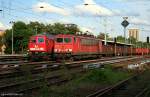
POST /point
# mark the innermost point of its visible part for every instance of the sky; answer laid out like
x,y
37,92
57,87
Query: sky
x,y
94,16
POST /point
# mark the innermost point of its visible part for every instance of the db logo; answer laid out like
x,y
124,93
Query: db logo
x,y
36,46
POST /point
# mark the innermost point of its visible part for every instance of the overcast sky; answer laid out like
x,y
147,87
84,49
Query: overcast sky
x,y
91,17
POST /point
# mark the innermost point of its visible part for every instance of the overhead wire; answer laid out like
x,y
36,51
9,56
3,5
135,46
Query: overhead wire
x,y
29,10
25,11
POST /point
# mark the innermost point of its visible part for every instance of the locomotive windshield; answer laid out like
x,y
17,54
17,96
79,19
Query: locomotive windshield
x,y
59,40
33,40
40,40
63,40
67,40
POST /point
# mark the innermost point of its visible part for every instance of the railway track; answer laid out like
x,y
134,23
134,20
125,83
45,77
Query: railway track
x,y
14,85
12,59
11,62
12,70
36,81
135,86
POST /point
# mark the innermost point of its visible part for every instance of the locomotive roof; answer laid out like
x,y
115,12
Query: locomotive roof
x,y
70,35
65,35
47,35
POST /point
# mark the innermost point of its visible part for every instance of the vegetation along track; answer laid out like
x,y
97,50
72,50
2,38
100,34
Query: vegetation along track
x,y
136,86
53,78
35,81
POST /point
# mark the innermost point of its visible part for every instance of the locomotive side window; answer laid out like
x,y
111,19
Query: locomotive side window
x,y
40,40
59,40
67,40
33,40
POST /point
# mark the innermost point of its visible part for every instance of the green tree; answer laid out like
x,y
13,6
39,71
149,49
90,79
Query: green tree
x,y
36,27
120,39
72,29
145,44
132,40
49,29
21,36
59,28
102,36
139,44
23,31
110,39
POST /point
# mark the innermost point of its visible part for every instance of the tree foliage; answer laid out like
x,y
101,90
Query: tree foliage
x,y
58,28
102,36
120,39
132,40
23,31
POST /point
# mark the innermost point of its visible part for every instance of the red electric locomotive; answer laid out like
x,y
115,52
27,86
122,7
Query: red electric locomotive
x,y
72,46
41,46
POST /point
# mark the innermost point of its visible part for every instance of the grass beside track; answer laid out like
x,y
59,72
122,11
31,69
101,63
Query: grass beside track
x,y
85,84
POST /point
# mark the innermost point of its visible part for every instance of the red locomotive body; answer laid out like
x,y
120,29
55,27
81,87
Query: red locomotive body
x,y
72,45
89,45
41,45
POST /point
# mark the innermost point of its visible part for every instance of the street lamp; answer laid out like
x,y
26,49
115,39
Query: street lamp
x,y
12,37
105,25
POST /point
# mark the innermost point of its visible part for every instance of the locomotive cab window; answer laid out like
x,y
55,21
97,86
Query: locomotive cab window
x,y
33,40
67,40
59,40
40,40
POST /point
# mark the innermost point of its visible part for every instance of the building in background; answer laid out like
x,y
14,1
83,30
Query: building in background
x,y
2,32
2,45
134,32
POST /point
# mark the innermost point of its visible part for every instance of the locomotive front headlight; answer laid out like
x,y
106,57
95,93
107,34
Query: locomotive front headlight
x,y
70,50
55,50
41,48
32,48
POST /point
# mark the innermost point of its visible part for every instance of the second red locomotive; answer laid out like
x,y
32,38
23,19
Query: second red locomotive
x,y
74,46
